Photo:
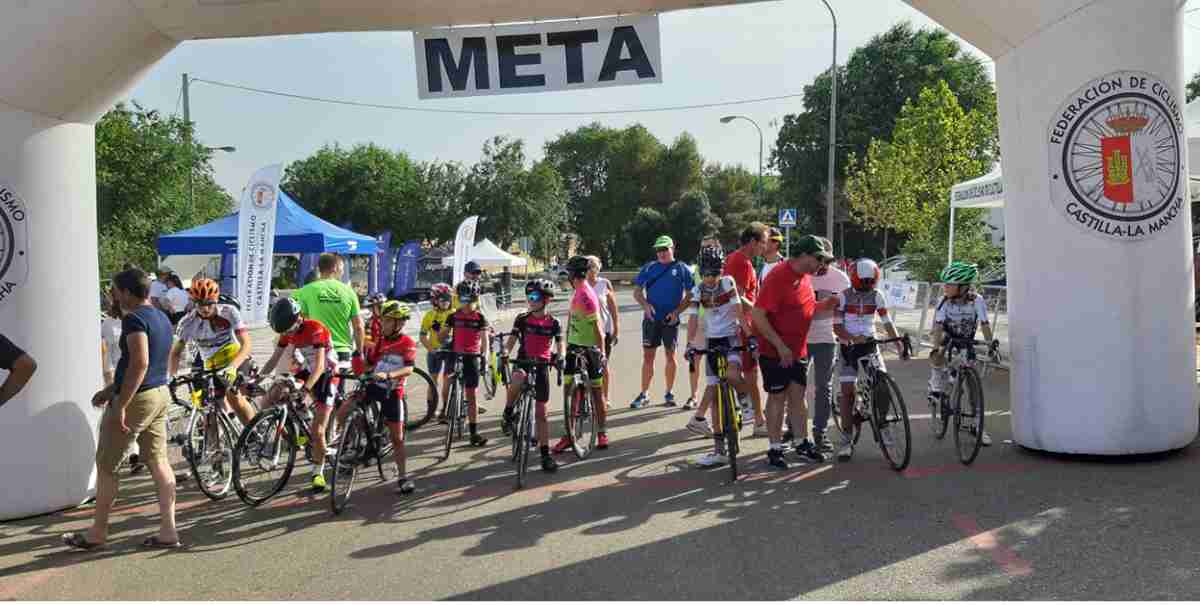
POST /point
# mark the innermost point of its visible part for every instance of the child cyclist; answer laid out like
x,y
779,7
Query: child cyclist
x,y
718,296
431,327
312,340
465,330
854,325
392,360
375,328
540,336
957,316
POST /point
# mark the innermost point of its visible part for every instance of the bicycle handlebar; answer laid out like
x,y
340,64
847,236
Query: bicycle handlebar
x,y
905,340
531,364
692,353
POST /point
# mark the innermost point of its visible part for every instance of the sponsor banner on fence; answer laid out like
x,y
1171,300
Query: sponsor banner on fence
x,y
256,244
537,57
900,294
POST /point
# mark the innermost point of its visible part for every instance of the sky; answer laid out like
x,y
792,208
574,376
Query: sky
x,y
709,55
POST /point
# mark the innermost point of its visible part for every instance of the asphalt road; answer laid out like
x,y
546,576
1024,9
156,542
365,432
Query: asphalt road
x,y
638,522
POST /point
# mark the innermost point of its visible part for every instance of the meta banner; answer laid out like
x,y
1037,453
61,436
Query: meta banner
x,y
537,57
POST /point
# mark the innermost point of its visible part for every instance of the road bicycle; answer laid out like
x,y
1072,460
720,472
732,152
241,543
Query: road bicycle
x,y
208,440
578,416
491,375
365,436
725,408
457,407
965,401
524,430
879,402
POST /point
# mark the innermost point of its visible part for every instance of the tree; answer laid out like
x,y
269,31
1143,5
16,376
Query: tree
x,y
515,201
639,233
142,164
904,185
691,219
872,87
731,193
1193,87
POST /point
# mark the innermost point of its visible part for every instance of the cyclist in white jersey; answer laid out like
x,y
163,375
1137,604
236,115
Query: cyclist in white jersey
x,y
854,324
223,340
958,315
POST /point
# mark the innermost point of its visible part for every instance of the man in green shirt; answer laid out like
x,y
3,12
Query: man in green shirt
x,y
335,305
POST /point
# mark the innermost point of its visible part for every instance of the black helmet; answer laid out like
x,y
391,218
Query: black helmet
x,y
284,314
577,267
472,267
541,286
712,258
468,291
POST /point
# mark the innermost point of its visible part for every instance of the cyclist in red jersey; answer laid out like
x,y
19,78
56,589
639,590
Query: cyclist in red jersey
x,y
312,340
466,330
540,336
392,359
375,328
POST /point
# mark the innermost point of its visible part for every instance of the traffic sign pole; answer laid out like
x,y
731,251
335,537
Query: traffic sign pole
x,y
787,242
787,220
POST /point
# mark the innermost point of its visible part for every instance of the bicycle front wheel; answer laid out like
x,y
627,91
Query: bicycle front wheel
x,y
264,457
938,421
730,419
580,420
890,416
521,438
968,421
451,419
419,389
351,454
489,378
210,441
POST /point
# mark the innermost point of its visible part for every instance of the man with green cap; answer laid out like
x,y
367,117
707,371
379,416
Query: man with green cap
x,y
661,287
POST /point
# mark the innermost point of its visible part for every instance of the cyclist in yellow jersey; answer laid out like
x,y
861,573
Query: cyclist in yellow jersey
x,y
431,325
224,342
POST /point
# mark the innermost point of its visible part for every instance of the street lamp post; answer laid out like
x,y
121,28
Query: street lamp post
x,y
728,119
832,131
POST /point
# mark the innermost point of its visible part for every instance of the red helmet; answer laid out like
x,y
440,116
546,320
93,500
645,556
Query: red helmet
x,y
440,291
864,274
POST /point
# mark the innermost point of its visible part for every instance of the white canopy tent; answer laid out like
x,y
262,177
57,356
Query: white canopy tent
x,y
1191,118
488,254
986,191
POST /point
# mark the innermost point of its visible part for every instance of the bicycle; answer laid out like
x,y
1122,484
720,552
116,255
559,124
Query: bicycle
x,y
726,411
208,441
457,411
969,418
490,373
578,416
880,403
365,436
524,433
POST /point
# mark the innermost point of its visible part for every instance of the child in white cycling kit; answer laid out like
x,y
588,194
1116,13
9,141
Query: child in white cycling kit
x,y
854,324
958,315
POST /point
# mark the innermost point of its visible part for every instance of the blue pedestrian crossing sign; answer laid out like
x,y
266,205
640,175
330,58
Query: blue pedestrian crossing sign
x,y
787,217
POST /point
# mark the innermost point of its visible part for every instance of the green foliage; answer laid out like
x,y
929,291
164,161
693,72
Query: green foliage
x,y
142,163
513,200
1193,87
873,86
691,218
639,234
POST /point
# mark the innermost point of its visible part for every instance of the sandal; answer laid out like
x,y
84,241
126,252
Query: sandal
x,y
154,542
77,541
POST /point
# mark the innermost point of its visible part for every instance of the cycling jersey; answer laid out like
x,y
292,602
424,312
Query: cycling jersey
x,y
585,315
394,354
468,328
962,315
431,324
211,334
536,335
312,341
857,311
720,305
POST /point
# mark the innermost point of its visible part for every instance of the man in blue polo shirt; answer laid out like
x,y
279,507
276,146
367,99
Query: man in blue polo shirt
x,y
661,287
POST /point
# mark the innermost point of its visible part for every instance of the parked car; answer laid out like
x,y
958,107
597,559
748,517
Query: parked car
x,y
893,268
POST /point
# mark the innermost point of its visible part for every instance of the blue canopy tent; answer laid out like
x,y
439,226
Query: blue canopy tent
x,y
297,231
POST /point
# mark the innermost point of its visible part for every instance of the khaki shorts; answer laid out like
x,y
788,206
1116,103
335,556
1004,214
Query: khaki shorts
x,y
146,417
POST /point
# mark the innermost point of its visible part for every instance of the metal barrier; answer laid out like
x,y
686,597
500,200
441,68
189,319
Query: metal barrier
x,y
918,320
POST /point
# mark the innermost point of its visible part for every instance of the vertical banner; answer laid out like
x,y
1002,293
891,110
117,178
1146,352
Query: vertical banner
x,y
229,274
383,262
463,241
308,264
406,267
256,244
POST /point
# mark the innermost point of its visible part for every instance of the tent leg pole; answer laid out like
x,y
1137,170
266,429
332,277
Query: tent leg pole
x,y
950,253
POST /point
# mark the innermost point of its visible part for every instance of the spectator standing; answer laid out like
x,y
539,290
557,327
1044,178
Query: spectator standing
x,y
827,283
609,313
334,304
662,286
136,409
783,314
159,287
738,265
774,254
176,299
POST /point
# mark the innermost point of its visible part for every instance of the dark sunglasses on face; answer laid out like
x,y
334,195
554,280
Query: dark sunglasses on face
x,y
711,274
534,297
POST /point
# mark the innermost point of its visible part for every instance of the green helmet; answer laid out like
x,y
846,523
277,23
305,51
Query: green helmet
x,y
959,272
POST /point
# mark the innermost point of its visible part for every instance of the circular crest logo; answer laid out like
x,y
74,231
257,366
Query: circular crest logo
x,y
263,195
1116,156
14,241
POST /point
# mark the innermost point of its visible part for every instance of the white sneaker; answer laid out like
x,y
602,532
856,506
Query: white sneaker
x,y
846,451
710,460
987,439
699,427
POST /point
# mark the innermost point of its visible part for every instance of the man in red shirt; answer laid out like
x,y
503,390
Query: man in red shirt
x,y
782,314
738,266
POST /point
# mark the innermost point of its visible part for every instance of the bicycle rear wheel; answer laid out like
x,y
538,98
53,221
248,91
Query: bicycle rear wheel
x,y
451,419
580,420
488,378
968,421
835,415
352,454
730,419
522,440
264,457
211,445
890,416
419,388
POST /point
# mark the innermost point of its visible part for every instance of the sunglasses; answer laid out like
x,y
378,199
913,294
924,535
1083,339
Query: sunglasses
x,y
711,274
206,303
661,250
534,297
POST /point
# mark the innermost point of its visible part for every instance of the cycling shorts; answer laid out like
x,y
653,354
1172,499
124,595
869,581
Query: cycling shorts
x,y
595,364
